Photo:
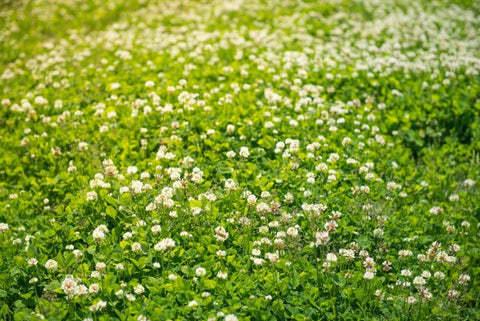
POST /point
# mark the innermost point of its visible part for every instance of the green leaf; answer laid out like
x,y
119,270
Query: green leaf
x,y
111,212
50,233
211,284
266,142
110,200
126,199
83,268
195,203
364,241
278,308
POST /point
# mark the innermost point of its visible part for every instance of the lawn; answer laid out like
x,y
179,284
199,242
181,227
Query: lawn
x,y
239,160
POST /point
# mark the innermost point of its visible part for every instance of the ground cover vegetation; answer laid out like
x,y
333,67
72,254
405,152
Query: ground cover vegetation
x,y
239,160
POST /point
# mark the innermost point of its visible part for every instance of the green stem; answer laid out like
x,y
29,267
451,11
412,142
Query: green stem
x,y
317,270
420,310
277,286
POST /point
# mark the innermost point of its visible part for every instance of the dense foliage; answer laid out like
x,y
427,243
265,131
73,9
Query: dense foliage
x,y
239,160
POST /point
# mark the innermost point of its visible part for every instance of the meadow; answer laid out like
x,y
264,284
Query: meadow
x,y
239,160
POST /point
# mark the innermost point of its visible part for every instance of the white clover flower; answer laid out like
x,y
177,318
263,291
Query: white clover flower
x,y
196,211
92,196
139,289
263,207
136,247
164,245
365,189
347,253
321,238
100,266
222,275
101,305
331,226
115,85
196,178
469,182
200,271
231,317
51,265
230,128
251,200
4,227
244,152
406,272
81,290
230,185
132,170
185,234
426,274
98,235
93,288
69,285
454,198
369,275
378,232
436,210
404,253
104,129
463,279
331,257
82,146
452,294
292,231
368,263
419,281
221,234
151,207
272,257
